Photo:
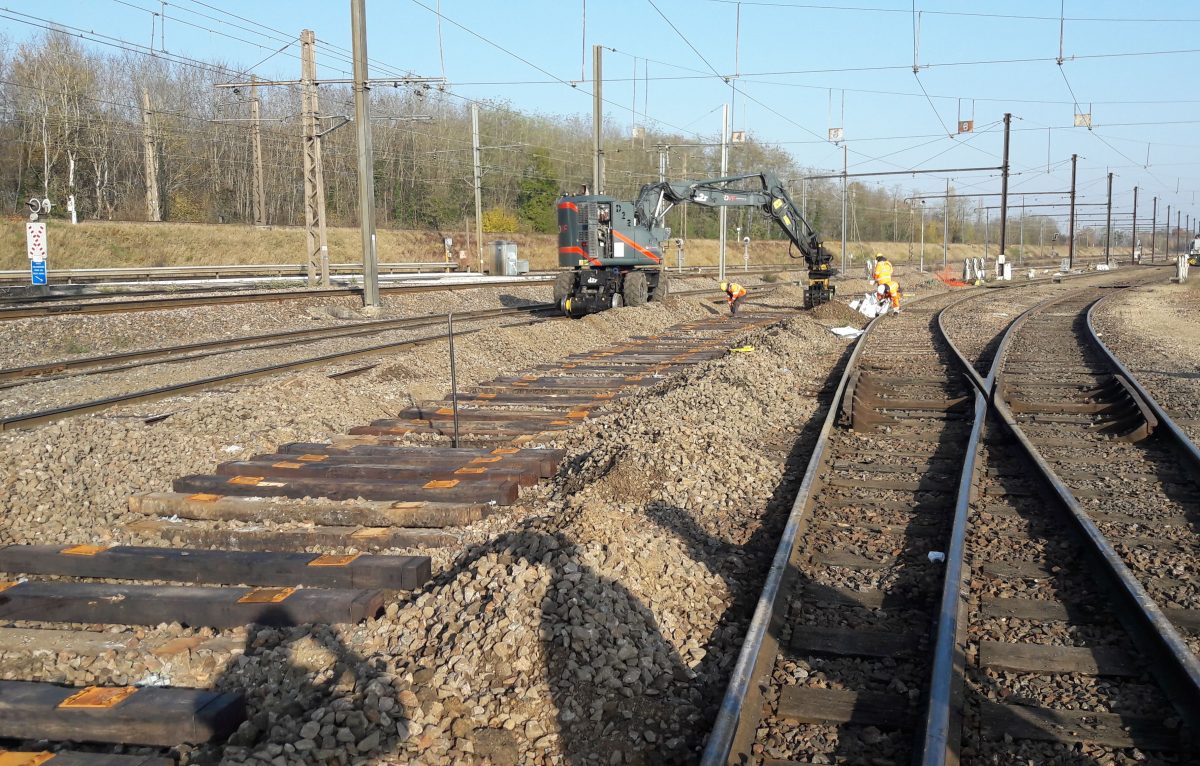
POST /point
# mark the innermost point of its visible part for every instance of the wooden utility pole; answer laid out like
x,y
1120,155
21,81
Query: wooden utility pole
x,y
150,155
260,215
597,121
314,179
1004,186
477,160
1071,226
366,154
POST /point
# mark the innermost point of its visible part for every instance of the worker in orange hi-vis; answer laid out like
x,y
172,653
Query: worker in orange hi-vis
x,y
883,270
890,291
735,293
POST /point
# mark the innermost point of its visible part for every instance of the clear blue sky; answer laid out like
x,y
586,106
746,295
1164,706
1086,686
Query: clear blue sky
x,y
794,60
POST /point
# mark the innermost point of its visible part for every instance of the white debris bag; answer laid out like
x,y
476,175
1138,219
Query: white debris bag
x,y
870,306
845,331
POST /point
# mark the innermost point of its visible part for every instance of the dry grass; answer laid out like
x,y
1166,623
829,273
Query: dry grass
x,y
94,244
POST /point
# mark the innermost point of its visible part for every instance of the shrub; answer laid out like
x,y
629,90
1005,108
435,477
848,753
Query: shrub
x,y
499,221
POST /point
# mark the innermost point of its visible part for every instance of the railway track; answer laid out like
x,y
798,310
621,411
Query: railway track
x,y
138,361
391,483
861,641
24,306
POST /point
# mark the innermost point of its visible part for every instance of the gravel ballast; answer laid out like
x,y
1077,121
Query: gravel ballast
x,y
594,622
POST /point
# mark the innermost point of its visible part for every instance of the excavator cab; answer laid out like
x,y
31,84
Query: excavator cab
x,y
612,260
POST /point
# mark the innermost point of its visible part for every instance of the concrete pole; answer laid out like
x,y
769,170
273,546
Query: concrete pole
x,y
597,120
366,154
1004,187
1071,225
1153,228
845,168
723,212
946,228
1021,256
150,156
314,180
1108,225
1133,239
1167,234
260,215
922,267
476,157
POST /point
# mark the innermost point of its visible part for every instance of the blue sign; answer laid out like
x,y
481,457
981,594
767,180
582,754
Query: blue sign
x,y
37,271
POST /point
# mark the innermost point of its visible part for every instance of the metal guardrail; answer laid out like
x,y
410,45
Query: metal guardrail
x,y
1164,419
74,276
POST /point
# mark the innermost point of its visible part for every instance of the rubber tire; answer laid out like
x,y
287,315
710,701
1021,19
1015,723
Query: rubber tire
x,y
661,290
635,288
564,283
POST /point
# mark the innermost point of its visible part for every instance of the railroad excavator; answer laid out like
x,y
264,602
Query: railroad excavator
x,y
611,251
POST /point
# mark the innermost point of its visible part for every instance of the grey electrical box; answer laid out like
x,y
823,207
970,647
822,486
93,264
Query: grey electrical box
x,y
504,259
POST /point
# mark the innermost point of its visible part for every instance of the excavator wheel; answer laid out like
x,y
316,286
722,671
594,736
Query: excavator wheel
x,y
661,290
635,288
564,283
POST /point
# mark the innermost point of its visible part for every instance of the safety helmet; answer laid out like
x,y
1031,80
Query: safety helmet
x,y
880,257
881,288
723,285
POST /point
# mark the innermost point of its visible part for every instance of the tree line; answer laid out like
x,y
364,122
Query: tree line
x,y
72,123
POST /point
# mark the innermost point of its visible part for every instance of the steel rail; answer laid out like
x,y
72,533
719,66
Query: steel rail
x,y
59,413
1176,668
725,728
41,373
231,272
721,740
57,305
154,304
937,740
1182,439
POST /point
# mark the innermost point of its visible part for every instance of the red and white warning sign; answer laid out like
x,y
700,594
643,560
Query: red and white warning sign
x,y
35,240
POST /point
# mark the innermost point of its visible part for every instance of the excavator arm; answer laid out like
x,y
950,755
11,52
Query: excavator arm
x,y
655,200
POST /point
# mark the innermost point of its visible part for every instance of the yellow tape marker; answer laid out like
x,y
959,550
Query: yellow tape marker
x,y
16,758
445,411
577,414
249,480
441,484
608,395
369,532
505,451
407,505
99,697
312,458
329,560
6,584
204,497
266,595
285,464
554,423
84,550
466,470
